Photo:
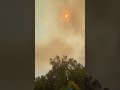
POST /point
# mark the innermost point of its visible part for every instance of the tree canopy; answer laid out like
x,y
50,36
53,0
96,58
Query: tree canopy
x,y
66,74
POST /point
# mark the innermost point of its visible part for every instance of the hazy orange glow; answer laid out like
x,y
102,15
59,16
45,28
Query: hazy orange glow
x,y
67,15
59,30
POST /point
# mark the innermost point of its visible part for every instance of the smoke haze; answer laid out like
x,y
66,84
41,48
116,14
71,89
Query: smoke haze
x,y
54,36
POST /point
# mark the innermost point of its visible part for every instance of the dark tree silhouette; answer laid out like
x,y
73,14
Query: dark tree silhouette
x,y
66,74
92,84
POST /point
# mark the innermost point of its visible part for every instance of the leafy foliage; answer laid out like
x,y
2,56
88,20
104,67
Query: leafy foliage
x,y
66,74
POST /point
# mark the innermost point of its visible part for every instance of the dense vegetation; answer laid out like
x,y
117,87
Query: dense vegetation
x,y
66,74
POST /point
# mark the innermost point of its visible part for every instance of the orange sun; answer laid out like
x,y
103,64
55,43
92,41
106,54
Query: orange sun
x,y
67,15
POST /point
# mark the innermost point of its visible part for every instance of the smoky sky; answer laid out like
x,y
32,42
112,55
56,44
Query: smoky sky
x,y
54,36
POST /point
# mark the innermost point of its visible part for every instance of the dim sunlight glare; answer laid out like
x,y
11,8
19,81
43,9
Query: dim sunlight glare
x,y
66,15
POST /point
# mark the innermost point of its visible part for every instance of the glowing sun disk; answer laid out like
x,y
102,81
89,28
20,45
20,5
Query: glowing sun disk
x,y
66,15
